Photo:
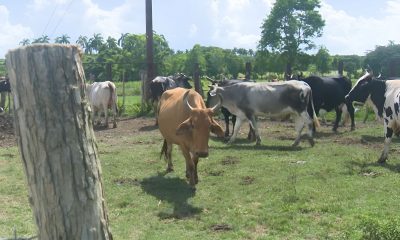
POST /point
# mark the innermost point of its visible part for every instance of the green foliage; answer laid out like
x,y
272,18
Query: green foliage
x,y
290,27
382,57
322,60
376,229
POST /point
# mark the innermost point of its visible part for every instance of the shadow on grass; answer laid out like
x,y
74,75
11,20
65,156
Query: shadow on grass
x,y
174,191
244,144
363,165
148,128
377,139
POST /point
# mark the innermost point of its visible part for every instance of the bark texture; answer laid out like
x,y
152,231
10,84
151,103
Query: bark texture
x,y
56,142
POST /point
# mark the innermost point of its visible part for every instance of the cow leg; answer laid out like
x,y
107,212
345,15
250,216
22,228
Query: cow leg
x,y
299,125
168,155
311,127
238,124
388,140
226,119
105,109
254,126
190,166
351,110
338,116
114,110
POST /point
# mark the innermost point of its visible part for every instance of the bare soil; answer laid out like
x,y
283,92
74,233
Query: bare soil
x,y
275,129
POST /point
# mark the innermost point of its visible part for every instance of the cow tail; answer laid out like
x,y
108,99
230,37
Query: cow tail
x,y
164,149
113,97
315,118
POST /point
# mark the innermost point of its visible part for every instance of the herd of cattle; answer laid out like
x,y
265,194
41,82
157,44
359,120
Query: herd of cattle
x,y
186,120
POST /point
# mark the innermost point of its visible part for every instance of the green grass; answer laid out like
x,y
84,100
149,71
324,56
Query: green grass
x,y
334,190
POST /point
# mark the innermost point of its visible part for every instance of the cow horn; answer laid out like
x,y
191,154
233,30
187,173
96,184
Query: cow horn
x,y
186,100
218,103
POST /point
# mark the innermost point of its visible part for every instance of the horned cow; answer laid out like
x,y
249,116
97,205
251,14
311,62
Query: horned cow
x,y
184,120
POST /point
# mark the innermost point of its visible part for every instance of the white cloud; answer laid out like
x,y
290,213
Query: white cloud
x,y
109,22
11,34
348,34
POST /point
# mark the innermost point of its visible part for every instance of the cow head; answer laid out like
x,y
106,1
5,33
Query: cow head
x,y
361,90
5,85
182,81
199,125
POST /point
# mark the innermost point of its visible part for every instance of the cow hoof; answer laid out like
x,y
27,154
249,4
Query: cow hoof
x,y
382,160
168,170
295,144
114,125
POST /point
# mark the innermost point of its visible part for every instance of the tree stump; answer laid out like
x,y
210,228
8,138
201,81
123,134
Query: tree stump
x,y
56,141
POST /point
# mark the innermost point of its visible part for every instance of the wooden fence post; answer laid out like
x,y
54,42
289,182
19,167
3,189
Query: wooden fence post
x,y
196,79
340,68
56,142
248,71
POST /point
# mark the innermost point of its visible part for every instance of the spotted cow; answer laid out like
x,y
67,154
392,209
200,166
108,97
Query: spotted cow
x,y
385,99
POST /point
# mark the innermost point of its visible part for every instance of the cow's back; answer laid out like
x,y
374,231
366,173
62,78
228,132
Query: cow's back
x,y
99,93
172,111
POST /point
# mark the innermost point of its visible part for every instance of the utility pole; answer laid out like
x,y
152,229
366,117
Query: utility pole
x,y
149,47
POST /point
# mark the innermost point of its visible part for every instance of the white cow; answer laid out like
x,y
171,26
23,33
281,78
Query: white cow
x,y
102,96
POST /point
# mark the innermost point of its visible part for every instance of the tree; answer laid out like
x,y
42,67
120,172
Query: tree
x,y
95,42
25,42
290,28
84,43
58,151
42,39
322,60
385,60
64,39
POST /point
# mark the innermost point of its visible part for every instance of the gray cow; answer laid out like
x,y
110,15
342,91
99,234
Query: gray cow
x,y
248,99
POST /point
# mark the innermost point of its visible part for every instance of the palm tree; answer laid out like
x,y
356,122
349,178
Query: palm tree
x,y
95,42
64,39
25,42
42,39
121,40
83,42
111,43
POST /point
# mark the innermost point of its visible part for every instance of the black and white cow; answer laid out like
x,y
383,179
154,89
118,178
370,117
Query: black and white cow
x,y
248,99
328,94
385,99
161,84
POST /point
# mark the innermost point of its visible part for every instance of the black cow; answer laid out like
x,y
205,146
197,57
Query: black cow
x,y
5,85
160,84
328,94
385,98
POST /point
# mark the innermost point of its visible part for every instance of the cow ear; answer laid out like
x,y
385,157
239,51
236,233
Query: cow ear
x,y
185,127
217,129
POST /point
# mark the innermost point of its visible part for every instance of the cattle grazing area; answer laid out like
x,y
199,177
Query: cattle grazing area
x,y
334,190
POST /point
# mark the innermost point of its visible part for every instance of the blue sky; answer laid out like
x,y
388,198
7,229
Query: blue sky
x,y
352,26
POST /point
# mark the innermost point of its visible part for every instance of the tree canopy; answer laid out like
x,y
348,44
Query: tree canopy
x,y
290,27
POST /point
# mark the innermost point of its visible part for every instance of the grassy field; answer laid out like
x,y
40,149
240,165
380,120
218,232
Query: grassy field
x,y
334,190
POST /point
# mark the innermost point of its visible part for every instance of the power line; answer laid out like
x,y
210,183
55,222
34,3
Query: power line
x,y
61,18
51,16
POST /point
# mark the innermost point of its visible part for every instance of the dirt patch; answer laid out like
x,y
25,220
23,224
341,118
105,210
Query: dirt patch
x,y
221,227
230,160
7,137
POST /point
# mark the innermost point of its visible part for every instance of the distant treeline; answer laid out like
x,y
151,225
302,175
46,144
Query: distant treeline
x,y
105,57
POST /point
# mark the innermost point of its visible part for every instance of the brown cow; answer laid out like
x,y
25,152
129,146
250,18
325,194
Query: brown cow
x,y
184,120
